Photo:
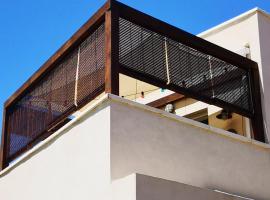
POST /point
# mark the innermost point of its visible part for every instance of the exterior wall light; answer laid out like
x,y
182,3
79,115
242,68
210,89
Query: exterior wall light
x,y
224,115
169,108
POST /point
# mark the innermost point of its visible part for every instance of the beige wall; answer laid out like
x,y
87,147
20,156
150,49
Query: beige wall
x,y
264,33
252,29
168,147
237,122
141,187
151,188
131,88
187,106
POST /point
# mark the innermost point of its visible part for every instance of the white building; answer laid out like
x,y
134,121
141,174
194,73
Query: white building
x,y
119,148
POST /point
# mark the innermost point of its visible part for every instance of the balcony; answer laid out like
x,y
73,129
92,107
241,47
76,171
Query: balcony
x,y
119,43
96,155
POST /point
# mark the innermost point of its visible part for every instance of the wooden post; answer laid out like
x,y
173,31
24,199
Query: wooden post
x,y
3,162
257,119
112,51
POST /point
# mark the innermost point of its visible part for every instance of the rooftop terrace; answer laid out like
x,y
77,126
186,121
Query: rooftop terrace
x,y
120,40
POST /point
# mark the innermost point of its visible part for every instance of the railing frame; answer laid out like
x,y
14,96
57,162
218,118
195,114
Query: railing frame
x,y
204,46
65,49
110,13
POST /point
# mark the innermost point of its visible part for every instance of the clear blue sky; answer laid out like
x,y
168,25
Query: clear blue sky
x,y
31,31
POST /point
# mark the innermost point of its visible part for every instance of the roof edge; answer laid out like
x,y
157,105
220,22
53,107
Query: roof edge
x,y
233,21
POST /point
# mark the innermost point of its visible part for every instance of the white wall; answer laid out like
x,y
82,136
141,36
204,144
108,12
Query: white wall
x,y
74,165
252,29
151,188
118,137
264,33
141,187
148,143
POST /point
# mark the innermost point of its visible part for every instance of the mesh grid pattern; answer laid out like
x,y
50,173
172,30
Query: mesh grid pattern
x,y
53,96
144,52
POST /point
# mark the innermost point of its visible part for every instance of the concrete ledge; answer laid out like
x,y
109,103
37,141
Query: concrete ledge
x,y
233,21
142,187
110,97
134,138
149,141
210,129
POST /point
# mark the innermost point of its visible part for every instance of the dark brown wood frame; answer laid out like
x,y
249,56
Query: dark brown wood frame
x,y
206,47
110,13
166,100
65,49
112,50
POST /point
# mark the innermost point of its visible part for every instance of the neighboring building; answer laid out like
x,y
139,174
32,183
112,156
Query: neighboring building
x,y
101,119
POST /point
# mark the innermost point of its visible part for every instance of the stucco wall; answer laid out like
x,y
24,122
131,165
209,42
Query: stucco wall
x,y
141,187
151,188
264,33
73,165
118,137
182,150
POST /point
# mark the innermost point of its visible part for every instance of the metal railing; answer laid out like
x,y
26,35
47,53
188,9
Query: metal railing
x,y
173,63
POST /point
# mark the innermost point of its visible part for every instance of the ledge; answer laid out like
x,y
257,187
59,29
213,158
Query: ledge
x,y
191,122
139,187
233,21
109,97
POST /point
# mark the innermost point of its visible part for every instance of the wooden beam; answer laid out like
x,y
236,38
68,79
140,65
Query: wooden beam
x,y
206,47
112,51
181,36
90,26
166,100
154,81
258,132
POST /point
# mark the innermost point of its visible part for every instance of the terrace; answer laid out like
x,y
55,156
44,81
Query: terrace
x,y
118,45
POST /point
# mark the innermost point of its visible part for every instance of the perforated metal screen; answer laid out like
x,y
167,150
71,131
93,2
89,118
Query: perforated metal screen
x,y
30,118
160,58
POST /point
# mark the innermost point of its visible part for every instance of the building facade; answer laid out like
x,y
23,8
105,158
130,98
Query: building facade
x,y
133,108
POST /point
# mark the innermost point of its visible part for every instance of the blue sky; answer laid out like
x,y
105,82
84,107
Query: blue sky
x,y
31,31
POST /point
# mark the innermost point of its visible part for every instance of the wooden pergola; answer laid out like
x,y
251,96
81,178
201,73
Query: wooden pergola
x,y
119,39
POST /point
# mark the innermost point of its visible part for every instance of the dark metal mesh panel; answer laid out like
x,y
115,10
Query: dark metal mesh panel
x,y
29,119
144,52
